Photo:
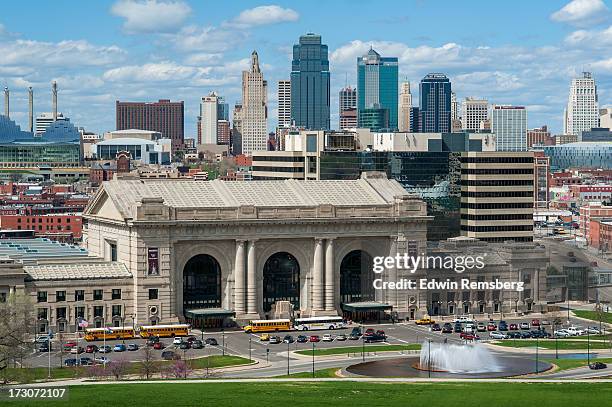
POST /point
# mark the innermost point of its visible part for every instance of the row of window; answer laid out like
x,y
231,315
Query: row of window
x,y
501,228
511,216
279,169
49,219
502,205
497,194
79,295
497,160
496,182
79,312
497,171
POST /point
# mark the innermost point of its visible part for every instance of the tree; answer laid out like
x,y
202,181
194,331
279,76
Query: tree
x,y
148,365
181,369
118,368
16,324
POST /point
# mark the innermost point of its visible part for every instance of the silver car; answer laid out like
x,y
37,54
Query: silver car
x,y
497,335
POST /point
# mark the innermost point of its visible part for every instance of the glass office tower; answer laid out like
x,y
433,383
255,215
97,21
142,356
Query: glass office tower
x,y
377,91
310,84
435,104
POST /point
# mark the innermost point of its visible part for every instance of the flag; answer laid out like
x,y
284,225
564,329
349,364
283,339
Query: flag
x,y
83,323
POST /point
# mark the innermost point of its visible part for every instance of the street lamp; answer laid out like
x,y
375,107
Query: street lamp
x,y
288,358
537,355
249,348
588,346
223,341
133,322
313,359
429,358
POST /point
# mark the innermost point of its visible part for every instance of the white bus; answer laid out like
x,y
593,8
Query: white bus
x,y
309,324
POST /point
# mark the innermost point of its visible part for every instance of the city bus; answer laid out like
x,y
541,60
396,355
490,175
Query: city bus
x,y
166,331
268,325
310,324
114,332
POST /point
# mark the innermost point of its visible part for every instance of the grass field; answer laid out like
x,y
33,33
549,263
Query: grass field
x,y
358,349
26,375
335,393
565,364
550,344
323,373
592,315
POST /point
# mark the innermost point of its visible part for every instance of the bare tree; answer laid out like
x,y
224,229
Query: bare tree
x,y
118,368
181,369
16,324
148,365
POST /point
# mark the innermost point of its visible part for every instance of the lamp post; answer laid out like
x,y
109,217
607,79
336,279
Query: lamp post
x,y
313,359
588,347
429,358
537,354
363,346
249,348
288,358
133,322
223,342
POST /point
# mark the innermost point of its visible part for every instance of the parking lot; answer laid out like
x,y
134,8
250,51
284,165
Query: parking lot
x,y
251,345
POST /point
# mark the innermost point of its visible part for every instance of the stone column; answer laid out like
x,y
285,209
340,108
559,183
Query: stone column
x,y
251,279
318,298
393,275
329,276
239,278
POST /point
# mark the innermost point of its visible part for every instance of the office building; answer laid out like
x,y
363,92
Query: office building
x,y
405,108
435,103
497,195
415,120
377,91
605,118
310,84
44,120
254,134
348,108
541,180
595,155
596,134
509,123
209,110
473,112
163,116
222,109
223,132
582,111
140,150
284,103
539,136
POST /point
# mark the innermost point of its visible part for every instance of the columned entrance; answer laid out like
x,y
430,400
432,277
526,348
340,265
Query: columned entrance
x,y
356,277
201,286
281,280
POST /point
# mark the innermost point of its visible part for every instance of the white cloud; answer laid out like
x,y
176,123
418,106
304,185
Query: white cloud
x,y
603,65
63,53
581,12
204,39
264,15
151,16
590,38
152,72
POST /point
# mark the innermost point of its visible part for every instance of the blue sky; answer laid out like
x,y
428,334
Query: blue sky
x,y
521,52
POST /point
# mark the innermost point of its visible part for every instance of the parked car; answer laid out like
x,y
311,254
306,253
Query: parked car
x,y
544,322
375,338
591,330
463,319
458,328
158,345
105,349
424,321
380,332
191,338
491,327
503,326
185,345
288,339
314,338
211,342
469,336
69,345
525,334
576,330
597,366
302,338
70,362
275,339
91,349
514,335
119,348
447,328
497,335
177,340
356,331
43,347
152,340
77,350
535,322
354,336
524,325
42,338
264,337
369,331
562,333
329,338
85,361
101,359
481,327
436,327
341,337
132,347
170,355
513,327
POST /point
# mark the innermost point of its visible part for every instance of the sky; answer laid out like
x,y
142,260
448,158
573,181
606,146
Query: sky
x,y
522,52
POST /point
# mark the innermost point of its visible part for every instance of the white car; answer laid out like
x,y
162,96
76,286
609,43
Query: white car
x,y
177,340
544,322
327,338
591,330
462,319
497,335
524,325
576,330
562,333
101,359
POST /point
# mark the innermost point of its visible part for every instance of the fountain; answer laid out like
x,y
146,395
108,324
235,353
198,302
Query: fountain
x,y
454,358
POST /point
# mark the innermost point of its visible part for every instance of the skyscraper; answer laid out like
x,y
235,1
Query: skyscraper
x,y
473,112
405,104
310,83
509,123
222,109
163,116
454,107
435,103
348,108
254,108
209,110
377,94
582,111
284,103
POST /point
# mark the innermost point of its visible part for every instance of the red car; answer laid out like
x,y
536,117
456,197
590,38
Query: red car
x,y
69,345
535,322
513,327
158,345
314,338
469,337
369,332
91,349
491,327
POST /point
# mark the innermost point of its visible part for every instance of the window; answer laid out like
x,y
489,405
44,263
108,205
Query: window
x,y
61,313
42,296
153,293
116,310
112,250
79,295
42,313
2,297
79,312
97,295
116,294
98,311
60,296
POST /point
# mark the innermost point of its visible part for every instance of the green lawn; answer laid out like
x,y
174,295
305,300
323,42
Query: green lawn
x,y
335,393
565,364
550,344
322,373
27,375
592,315
358,349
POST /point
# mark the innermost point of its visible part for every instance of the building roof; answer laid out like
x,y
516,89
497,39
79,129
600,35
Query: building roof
x,y
133,131
125,141
39,248
77,271
126,194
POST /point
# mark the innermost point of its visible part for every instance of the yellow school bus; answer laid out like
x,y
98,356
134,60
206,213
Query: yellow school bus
x,y
114,332
164,330
268,325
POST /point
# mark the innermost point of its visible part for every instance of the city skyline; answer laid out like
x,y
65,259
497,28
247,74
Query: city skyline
x,y
182,51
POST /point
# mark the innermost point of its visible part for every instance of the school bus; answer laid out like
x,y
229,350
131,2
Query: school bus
x,y
115,332
268,325
164,330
